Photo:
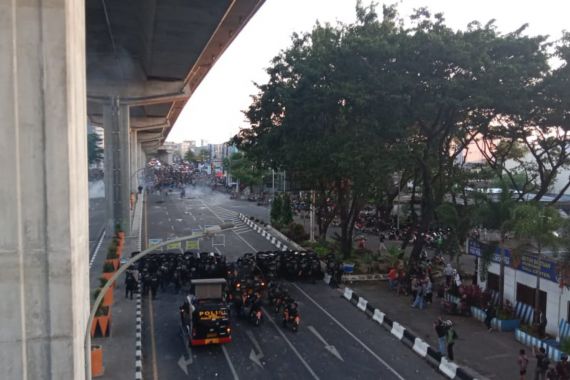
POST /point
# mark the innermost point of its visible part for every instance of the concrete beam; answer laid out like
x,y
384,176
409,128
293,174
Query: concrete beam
x,y
117,176
44,236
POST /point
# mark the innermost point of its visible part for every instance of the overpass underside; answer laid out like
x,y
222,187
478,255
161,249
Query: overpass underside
x,y
128,65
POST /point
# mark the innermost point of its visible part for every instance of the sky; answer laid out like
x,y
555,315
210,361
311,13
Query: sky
x,y
214,111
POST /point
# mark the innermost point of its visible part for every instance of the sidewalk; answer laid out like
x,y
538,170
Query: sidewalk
x,y
119,348
492,355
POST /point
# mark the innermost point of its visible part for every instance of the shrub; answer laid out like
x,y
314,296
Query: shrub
x,y
296,232
112,253
565,345
102,310
108,268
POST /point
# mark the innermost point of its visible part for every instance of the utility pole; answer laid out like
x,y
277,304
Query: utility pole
x,y
398,212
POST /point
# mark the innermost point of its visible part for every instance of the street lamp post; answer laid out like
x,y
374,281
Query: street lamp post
x,y
398,209
108,284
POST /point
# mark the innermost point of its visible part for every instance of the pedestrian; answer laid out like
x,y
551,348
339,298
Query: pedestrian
x,y
563,368
381,245
523,363
154,286
429,291
539,322
420,292
490,311
130,285
451,337
542,363
393,278
441,331
448,273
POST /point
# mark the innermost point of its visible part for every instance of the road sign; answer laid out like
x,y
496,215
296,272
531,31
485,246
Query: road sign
x,y
192,244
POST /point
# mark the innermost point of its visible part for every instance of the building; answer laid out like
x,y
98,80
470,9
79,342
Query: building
x,y
520,282
184,146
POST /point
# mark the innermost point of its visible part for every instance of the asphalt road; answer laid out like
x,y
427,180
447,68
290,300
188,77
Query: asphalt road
x,y
97,213
335,341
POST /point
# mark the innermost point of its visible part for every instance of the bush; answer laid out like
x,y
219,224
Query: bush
x,y
108,268
112,253
565,345
102,310
296,232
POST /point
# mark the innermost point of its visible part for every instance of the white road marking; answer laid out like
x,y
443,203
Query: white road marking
x,y
329,347
349,333
230,364
290,345
221,220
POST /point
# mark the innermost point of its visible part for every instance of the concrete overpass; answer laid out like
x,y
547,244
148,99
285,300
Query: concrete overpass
x,y
128,65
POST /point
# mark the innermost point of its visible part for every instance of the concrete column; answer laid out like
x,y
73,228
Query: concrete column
x,y
44,233
117,177
134,174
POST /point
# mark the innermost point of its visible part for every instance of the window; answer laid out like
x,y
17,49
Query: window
x,y
525,294
493,281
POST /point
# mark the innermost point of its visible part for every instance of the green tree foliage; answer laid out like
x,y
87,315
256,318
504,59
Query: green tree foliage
x,y
286,210
276,210
246,170
190,156
495,213
345,107
94,152
535,227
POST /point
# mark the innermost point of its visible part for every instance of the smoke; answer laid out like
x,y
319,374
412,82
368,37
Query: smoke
x,y
97,189
206,194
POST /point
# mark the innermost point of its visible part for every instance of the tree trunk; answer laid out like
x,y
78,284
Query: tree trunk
x,y
537,290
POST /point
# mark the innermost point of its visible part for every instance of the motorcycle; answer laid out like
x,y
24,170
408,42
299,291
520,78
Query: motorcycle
x,y
291,316
451,308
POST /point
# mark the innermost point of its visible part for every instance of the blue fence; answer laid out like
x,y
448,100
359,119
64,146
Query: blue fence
x,y
524,312
563,329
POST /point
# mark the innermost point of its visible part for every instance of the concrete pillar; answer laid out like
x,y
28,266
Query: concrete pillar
x,y
134,166
44,234
117,173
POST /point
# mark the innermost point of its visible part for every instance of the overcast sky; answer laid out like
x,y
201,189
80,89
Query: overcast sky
x,y
213,113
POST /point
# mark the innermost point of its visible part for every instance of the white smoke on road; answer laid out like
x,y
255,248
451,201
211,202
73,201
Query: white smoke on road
x,y
97,189
207,195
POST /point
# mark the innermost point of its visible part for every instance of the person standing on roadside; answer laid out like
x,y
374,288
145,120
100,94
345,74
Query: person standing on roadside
x,y
563,368
490,311
441,332
523,363
451,337
542,363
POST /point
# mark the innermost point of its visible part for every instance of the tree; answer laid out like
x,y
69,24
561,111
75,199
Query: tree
x,y
286,211
94,151
190,156
245,169
496,214
535,227
276,210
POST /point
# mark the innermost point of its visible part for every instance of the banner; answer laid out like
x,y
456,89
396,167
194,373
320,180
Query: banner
x,y
192,244
174,246
527,263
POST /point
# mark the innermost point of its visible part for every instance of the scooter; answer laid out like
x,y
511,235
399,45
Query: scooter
x,y
451,308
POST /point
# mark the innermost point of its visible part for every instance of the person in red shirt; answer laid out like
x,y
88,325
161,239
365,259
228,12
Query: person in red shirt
x,y
393,278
